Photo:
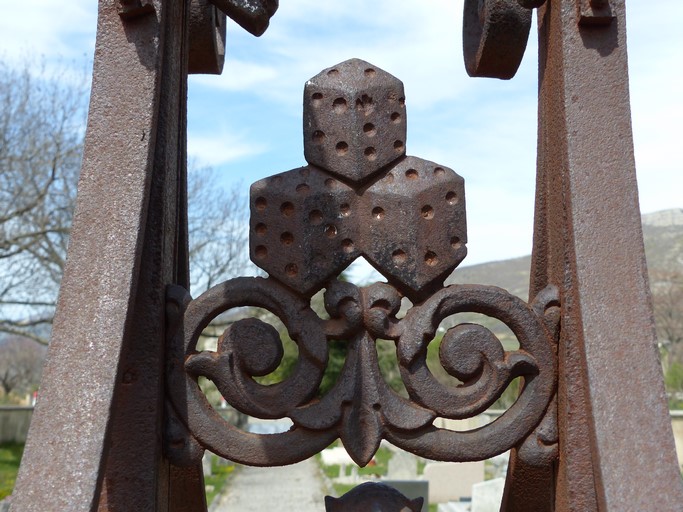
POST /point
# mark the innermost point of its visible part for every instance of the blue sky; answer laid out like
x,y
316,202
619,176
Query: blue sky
x,y
247,122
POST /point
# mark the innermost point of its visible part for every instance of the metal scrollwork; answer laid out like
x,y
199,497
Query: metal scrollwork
x,y
360,196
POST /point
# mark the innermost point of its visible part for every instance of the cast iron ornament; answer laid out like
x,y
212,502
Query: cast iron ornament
x,y
360,195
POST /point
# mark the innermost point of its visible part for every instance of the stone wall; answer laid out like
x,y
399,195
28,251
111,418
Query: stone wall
x,y
14,423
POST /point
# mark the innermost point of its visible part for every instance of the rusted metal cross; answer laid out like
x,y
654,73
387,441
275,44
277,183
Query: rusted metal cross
x,y
122,423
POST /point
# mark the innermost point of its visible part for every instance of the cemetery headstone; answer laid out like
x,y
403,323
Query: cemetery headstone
x,y
451,481
486,496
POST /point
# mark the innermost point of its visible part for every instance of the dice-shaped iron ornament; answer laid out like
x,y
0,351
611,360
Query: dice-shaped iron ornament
x,y
360,194
354,120
302,229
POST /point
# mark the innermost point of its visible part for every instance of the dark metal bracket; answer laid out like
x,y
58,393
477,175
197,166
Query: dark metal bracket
x,y
130,9
595,12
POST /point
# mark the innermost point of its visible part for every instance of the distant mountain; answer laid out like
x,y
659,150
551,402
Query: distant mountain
x,y
662,232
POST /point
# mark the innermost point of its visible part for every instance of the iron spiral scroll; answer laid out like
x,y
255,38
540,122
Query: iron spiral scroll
x,y
360,195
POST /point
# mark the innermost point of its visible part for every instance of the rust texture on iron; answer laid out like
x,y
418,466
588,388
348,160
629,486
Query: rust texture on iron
x,y
360,195
252,15
95,438
129,9
495,34
207,26
590,430
375,497
588,243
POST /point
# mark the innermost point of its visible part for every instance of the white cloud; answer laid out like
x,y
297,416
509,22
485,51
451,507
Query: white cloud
x,y
34,28
220,148
484,129
238,76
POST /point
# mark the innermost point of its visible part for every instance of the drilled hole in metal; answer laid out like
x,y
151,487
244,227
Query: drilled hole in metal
x,y
427,212
261,252
316,99
412,174
439,171
315,217
364,103
342,148
303,188
339,105
291,269
287,238
261,228
431,259
333,72
331,231
261,203
370,153
287,209
451,197
456,243
347,245
399,257
369,72
318,137
369,129
345,210
396,118
398,146
378,213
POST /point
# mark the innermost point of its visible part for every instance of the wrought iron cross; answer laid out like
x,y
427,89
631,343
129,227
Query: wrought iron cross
x,y
123,361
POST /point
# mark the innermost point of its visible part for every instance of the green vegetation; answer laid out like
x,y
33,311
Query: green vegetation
x,y
673,380
221,471
377,467
10,456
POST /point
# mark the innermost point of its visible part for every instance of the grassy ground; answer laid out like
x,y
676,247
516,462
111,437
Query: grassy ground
x,y
10,456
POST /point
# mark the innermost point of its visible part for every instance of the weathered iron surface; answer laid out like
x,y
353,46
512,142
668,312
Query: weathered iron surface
x,y
495,33
375,497
590,429
95,438
252,15
588,242
129,9
359,195
207,28
407,218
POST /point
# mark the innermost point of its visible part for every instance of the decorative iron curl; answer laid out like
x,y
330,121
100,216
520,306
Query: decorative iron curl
x,y
233,365
361,409
495,35
473,354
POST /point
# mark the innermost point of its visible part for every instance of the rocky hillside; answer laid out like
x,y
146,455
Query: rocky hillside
x,y
662,231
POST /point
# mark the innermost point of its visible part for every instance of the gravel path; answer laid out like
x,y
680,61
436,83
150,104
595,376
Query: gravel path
x,y
295,488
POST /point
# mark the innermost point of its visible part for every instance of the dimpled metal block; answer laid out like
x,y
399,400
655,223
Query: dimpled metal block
x,y
417,230
303,229
354,120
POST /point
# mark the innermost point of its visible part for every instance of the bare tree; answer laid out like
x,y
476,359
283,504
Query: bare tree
x,y
218,226
667,296
21,363
42,122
